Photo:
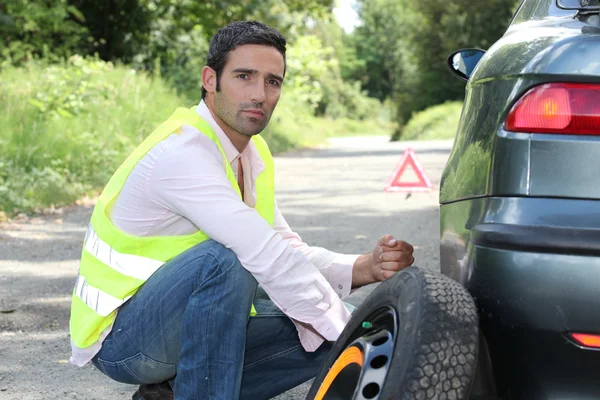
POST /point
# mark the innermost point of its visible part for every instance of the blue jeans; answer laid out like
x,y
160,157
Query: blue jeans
x,y
189,324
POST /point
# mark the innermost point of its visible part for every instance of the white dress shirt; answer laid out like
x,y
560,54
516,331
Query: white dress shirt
x,y
180,186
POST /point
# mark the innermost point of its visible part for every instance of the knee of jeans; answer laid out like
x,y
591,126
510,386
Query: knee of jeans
x,y
229,263
224,256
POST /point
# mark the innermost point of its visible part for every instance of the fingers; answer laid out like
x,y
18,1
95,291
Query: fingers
x,y
388,242
400,245
388,269
391,255
396,256
394,261
402,251
387,274
397,265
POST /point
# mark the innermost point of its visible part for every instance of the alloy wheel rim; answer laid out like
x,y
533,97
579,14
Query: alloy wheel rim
x,y
360,370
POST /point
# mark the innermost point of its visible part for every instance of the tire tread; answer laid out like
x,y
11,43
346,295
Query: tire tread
x,y
446,359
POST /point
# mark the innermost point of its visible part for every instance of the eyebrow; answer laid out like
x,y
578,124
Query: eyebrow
x,y
254,71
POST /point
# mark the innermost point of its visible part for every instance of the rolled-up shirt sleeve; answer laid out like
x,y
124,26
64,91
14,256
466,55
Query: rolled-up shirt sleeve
x,y
335,267
193,184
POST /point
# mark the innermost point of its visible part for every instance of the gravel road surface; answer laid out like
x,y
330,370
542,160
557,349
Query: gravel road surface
x,y
333,196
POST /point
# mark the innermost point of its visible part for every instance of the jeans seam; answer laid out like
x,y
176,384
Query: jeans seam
x,y
216,257
215,262
206,327
218,270
274,356
101,366
269,314
133,373
124,363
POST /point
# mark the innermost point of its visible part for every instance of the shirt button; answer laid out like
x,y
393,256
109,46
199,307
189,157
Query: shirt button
x,y
340,287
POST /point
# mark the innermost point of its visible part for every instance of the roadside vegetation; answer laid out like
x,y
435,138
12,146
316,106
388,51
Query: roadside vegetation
x,y
82,83
436,122
74,122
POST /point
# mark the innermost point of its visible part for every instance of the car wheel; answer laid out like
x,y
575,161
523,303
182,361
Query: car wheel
x,y
414,337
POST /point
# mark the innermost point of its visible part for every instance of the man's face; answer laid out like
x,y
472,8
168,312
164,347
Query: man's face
x,y
250,86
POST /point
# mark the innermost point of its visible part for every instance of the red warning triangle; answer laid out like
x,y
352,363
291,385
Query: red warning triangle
x,y
394,184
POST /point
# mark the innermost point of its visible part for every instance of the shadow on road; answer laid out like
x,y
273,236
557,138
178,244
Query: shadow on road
x,y
52,247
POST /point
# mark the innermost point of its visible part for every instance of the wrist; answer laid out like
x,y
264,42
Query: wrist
x,y
362,271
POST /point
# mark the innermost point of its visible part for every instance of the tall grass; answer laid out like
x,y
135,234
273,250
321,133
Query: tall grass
x,y
66,127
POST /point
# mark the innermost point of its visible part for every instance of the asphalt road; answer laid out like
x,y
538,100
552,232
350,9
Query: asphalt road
x,y
332,196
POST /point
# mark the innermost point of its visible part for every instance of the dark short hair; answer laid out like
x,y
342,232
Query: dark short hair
x,y
229,37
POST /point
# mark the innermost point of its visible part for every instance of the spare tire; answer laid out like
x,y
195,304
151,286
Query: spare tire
x,y
414,337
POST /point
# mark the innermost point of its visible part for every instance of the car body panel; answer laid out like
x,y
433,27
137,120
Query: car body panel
x,y
559,49
565,166
530,292
527,302
460,218
520,213
545,165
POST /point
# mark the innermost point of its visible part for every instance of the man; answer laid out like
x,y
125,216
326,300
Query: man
x,y
186,230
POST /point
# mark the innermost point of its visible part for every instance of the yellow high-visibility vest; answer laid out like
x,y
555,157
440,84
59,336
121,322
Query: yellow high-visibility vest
x,y
115,264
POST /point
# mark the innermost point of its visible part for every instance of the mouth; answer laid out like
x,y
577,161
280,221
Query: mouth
x,y
255,113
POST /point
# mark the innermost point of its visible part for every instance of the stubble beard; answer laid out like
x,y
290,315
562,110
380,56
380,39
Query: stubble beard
x,y
237,120
250,126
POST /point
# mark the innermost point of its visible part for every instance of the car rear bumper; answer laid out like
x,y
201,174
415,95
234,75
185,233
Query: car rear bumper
x,y
533,267
528,301
544,239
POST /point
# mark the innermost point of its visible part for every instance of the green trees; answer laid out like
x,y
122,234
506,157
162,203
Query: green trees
x,y
83,81
397,54
405,43
33,27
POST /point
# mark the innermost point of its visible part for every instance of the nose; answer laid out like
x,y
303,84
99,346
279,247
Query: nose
x,y
258,92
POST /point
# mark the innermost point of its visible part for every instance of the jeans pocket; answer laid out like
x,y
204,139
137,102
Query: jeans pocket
x,y
137,369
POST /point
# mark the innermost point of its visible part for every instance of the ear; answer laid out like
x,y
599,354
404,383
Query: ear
x,y
209,79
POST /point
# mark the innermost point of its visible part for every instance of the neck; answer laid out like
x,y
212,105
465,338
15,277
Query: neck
x,y
238,140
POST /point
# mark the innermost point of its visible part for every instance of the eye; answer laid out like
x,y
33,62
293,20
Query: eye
x,y
274,82
243,76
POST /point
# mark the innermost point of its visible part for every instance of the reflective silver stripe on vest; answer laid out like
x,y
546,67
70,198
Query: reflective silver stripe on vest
x,y
101,302
138,267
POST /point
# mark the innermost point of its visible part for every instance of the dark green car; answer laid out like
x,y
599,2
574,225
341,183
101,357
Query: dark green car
x,y
515,313
520,203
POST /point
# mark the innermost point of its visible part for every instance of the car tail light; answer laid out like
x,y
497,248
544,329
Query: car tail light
x,y
567,108
586,339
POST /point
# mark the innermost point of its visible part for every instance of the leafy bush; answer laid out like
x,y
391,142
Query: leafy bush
x,y
314,78
69,88
30,27
294,125
67,127
176,56
347,100
28,189
307,62
437,122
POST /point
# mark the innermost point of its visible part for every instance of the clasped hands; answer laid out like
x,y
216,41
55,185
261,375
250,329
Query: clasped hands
x,y
390,256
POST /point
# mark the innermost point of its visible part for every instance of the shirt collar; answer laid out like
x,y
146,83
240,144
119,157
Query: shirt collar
x,y
230,151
